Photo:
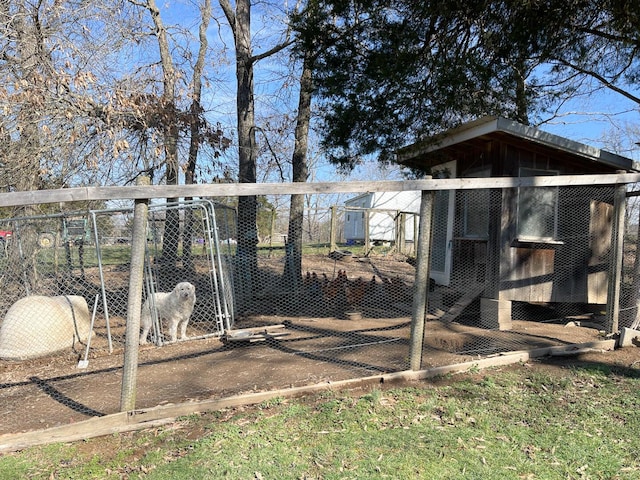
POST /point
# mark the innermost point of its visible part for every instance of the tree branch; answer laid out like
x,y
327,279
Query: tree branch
x,y
599,78
272,51
228,12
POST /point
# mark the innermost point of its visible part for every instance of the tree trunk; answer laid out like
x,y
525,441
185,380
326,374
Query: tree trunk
x,y
170,133
246,256
171,238
22,158
189,179
293,263
521,98
195,126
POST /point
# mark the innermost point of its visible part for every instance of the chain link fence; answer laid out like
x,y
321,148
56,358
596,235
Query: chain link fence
x,y
510,269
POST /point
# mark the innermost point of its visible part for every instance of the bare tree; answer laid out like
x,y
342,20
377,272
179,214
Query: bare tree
x,y
195,127
169,126
21,153
239,19
175,117
85,117
88,72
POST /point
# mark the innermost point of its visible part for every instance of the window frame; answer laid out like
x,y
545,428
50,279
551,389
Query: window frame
x,y
540,235
482,172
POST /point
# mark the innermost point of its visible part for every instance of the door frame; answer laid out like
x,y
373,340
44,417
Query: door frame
x,y
444,240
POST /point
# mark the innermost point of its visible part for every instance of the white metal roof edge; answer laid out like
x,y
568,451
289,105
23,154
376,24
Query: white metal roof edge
x,y
487,125
358,197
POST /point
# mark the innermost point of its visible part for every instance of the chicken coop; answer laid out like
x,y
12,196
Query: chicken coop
x,y
537,244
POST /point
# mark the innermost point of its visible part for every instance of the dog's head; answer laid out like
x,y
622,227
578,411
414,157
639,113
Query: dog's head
x,y
185,290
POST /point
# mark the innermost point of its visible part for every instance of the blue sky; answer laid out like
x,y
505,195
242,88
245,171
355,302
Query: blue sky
x,y
599,120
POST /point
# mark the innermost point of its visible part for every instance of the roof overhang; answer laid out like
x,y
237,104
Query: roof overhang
x,y
432,151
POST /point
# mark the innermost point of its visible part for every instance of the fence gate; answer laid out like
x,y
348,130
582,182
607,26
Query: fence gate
x,y
183,245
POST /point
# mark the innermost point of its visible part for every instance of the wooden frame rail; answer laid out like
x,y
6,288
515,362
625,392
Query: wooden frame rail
x,y
136,192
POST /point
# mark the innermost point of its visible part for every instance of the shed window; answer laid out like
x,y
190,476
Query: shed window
x,y
537,208
476,206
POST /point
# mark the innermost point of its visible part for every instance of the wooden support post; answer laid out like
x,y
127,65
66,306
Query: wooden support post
x,y
416,226
333,245
367,232
635,291
615,270
136,278
421,284
272,231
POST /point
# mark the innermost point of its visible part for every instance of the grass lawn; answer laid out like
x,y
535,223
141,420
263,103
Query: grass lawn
x,y
533,421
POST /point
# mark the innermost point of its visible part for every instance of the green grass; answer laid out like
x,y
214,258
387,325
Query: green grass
x,y
519,422
278,249
51,259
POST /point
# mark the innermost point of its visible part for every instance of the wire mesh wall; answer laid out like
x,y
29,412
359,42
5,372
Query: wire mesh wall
x,y
279,303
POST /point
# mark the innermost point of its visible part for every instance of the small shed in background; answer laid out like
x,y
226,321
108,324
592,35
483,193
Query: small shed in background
x,y
533,244
381,217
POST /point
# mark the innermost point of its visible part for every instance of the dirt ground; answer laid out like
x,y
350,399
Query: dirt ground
x,y
46,393
53,391
623,361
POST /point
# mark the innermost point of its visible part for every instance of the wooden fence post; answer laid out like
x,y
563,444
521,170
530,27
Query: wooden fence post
x,y
333,245
635,290
367,233
421,283
617,254
136,278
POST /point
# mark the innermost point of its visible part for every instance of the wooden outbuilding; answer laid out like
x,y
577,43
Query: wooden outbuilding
x,y
537,244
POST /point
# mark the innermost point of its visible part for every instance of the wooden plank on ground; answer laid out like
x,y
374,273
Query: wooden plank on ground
x,y
462,303
254,334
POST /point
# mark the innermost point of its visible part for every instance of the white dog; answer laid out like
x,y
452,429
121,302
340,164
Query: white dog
x,y
175,307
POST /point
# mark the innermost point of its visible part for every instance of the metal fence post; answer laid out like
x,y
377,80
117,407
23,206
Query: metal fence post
x,y
421,284
136,277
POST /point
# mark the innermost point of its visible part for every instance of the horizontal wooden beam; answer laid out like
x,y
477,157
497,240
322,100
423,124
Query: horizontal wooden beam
x,y
135,192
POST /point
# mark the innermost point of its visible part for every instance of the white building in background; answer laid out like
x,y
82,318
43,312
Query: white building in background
x,y
385,212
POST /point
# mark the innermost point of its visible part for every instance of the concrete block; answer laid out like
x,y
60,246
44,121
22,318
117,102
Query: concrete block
x,y
495,314
629,337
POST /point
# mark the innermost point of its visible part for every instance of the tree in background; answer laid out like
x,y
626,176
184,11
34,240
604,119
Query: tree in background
x,y
239,20
169,127
49,130
177,117
391,73
51,133
596,47
197,129
300,173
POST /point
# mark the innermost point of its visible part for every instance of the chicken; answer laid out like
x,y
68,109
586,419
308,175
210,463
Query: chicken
x,y
334,287
395,288
342,291
306,281
357,291
311,283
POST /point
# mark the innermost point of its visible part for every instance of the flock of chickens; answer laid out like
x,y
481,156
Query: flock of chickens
x,y
352,293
